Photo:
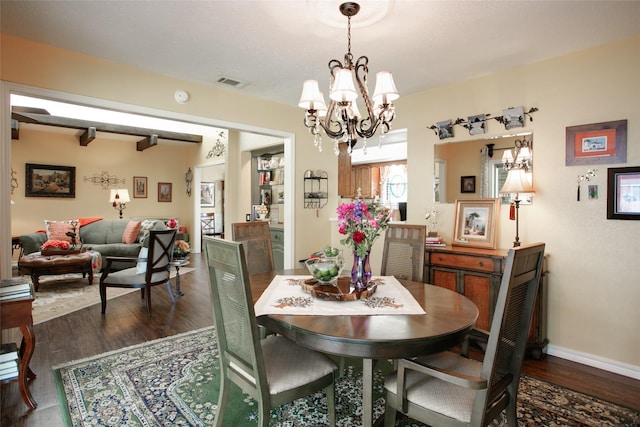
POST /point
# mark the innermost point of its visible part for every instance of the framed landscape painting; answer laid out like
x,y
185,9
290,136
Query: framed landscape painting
x,y
597,143
164,191
50,181
476,223
140,187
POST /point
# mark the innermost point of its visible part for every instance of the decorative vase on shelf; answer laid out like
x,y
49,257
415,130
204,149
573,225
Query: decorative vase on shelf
x,y
361,271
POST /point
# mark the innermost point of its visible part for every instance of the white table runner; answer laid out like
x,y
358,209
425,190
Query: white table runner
x,y
285,296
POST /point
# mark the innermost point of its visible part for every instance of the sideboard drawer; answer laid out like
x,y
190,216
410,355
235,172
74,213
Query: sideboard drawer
x,y
477,263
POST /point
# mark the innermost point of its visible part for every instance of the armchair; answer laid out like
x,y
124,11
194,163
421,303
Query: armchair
x,y
447,389
156,271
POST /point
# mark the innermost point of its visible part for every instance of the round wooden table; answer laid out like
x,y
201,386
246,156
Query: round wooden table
x,y
448,320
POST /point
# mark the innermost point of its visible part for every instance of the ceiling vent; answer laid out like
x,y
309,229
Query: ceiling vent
x,y
231,82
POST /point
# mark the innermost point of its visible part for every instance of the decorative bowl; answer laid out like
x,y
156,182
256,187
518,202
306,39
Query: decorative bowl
x,y
325,270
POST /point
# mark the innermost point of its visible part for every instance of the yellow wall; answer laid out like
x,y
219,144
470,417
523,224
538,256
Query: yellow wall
x,y
593,269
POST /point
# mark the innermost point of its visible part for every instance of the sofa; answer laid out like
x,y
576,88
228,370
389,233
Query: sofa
x,y
102,235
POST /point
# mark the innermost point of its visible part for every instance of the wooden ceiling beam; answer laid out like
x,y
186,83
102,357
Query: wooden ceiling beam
x,y
48,120
87,136
147,142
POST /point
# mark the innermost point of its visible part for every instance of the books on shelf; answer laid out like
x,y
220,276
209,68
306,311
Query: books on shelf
x,y
8,369
14,289
8,352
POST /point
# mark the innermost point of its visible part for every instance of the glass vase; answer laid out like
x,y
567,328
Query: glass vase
x,y
360,271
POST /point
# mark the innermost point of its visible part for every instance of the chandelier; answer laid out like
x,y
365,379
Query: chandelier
x,y
342,120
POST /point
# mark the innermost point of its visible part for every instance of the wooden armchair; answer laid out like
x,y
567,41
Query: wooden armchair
x,y
447,389
403,254
273,370
156,272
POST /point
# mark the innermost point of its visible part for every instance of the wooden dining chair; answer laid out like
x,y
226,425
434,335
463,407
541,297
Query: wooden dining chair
x,y
256,239
448,389
273,370
151,271
403,254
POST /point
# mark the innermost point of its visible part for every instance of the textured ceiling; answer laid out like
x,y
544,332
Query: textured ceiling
x,y
273,46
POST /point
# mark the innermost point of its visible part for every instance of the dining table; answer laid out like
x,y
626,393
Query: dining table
x,y
446,319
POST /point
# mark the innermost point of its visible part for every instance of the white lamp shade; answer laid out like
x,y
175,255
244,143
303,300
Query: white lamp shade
x,y
385,91
343,88
122,196
311,97
524,154
517,182
507,156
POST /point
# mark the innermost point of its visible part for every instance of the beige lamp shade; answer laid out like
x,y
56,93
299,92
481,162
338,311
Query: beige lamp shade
x,y
517,182
343,89
119,195
385,91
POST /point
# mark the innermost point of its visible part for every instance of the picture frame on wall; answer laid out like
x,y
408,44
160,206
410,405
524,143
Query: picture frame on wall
x,y
623,193
476,223
139,187
164,191
50,181
207,195
596,143
467,184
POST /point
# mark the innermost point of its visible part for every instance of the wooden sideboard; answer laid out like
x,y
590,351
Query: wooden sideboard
x,y
476,274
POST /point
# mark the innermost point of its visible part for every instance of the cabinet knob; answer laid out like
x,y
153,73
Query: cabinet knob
x,y
439,258
481,264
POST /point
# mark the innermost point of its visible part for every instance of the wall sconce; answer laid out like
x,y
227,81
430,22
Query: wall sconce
x,y
518,181
188,177
119,198
523,156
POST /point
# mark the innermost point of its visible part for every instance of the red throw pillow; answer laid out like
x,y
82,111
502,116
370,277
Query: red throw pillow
x,y
130,234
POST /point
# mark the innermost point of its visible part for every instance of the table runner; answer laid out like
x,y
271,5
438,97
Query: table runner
x,y
285,296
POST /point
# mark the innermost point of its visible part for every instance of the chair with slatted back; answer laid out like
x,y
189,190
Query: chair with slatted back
x,y
256,239
448,389
403,254
151,271
274,370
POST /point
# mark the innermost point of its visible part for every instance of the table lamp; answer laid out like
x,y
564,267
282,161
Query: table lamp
x,y
119,198
518,181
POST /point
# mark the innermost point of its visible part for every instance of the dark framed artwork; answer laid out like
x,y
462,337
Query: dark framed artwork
x,y
623,193
164,191
445,129
476,223
467,184
139,187
207,195
597,143
50,181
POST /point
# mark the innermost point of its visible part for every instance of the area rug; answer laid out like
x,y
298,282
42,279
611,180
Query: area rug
x,y
175,380
65,293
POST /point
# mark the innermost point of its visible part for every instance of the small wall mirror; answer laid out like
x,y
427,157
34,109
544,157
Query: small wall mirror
x,y
472,170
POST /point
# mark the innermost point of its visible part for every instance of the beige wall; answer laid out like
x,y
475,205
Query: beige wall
x,y
593,270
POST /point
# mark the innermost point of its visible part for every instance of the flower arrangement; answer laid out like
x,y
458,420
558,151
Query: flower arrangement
x,y
56,244
361,223
180,249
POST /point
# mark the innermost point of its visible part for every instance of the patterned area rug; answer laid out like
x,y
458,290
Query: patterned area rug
x,y
65,293
174,381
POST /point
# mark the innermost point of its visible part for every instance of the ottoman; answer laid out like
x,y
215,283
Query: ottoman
x,y
37,265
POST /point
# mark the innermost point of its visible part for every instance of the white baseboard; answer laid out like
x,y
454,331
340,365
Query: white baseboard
x,y
616,367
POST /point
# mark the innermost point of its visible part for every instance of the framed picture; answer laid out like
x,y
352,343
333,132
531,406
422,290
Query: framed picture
x,y
597,143
623,193
445,129
476,223
477,124
50,181
467,184
513,117
164,191
139,187
207,195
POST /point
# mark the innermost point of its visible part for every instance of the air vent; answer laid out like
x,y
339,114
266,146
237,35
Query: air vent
x,y
231,82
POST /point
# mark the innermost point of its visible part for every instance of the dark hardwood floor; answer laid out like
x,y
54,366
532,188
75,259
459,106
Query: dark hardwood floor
x,y
86,333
